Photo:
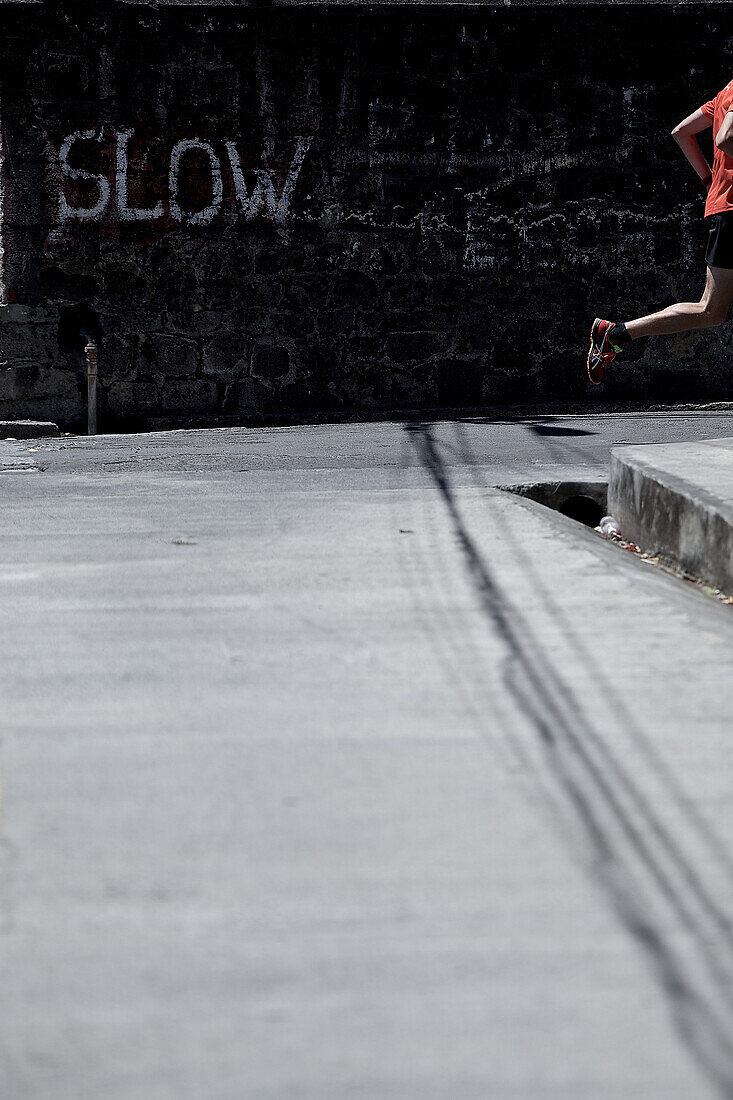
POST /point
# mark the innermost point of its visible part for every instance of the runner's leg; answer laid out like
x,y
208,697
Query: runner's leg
x,y
683,316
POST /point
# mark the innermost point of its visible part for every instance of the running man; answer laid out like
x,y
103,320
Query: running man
x,y
607,338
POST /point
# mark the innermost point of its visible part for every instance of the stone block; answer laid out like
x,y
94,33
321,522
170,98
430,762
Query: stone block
x,y
18,380
305,293
270,361
292,325
413,347
449,291
132,399
473,331
197,324
306,394
353,288
405,292
359,348
248,397
334,324
58,285
168,356
400,389
400,320
190,397
66,407
226,356
23,381
27,340
125,289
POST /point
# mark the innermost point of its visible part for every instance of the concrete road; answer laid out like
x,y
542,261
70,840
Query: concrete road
x,y
331,771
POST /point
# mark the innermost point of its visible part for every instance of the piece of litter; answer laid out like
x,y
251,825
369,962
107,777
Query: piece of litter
x,y
609,527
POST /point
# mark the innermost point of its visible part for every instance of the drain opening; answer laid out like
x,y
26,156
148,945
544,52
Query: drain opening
x,y
583,509
583,501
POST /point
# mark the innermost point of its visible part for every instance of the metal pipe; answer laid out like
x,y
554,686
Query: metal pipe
x,y
92,353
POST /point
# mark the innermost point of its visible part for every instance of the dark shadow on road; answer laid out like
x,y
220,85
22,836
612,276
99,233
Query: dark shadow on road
x,y
552,429
660,896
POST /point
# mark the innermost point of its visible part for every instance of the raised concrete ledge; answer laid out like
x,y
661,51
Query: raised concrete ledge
x,y
27,429
676,500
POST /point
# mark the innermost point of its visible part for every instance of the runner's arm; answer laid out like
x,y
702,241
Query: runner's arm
x,y
685,134
724,136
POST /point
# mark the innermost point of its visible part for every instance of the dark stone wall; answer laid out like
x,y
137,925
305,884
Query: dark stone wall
x,y
433,206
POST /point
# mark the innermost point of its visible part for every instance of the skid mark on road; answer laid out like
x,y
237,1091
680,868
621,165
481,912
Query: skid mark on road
x,y
661,897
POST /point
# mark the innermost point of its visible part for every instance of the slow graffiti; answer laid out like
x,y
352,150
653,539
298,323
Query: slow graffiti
x,y
266,197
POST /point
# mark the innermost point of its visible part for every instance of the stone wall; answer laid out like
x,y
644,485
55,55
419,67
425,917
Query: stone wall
x,y
287,213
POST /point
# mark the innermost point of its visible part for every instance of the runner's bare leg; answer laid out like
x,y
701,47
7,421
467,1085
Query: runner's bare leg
x,y
711,310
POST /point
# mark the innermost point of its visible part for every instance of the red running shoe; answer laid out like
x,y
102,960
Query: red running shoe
x,y
602,352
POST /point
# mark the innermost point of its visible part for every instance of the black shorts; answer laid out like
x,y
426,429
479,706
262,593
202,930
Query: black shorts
x,y
719,249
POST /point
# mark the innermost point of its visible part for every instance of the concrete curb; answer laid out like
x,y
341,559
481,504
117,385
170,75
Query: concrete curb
x,y
667,515
27,429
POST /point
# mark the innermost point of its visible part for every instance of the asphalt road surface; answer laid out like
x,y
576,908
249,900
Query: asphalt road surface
x,y
331,771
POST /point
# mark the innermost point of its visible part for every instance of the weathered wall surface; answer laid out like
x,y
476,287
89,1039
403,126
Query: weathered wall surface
x,y
287,213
